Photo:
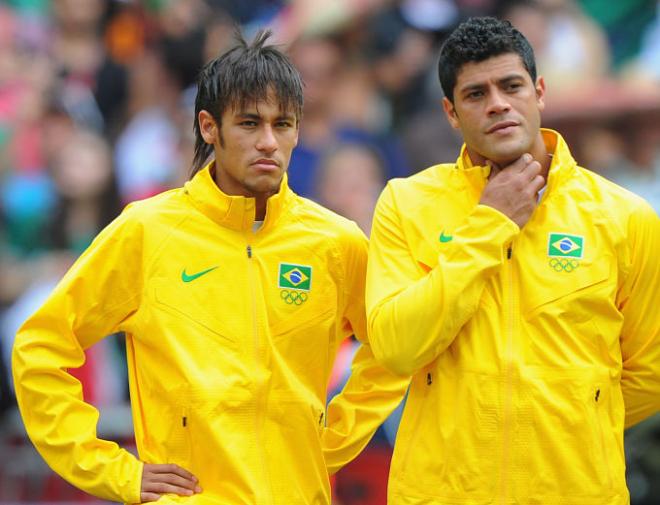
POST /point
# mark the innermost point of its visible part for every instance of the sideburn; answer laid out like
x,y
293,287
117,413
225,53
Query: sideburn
x,y
221,139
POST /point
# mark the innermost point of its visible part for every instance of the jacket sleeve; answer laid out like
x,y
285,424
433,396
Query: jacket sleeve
x,y
371,392
414,312
99,292
638,300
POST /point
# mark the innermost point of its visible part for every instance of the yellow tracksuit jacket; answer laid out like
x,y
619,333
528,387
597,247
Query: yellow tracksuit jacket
x,y
231,336
531,348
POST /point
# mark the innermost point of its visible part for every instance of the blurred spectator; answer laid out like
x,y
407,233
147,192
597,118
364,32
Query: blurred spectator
x,y
82,62
427,137
399,56
629,158
570,48
646,66
351,176
218,34
87,195
154,95
624,23
321,62
183,39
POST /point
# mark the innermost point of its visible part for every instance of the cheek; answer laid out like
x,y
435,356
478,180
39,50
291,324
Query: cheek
x,y
287,145
470,132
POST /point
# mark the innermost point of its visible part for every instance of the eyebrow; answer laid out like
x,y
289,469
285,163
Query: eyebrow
x,y
253,116
480,85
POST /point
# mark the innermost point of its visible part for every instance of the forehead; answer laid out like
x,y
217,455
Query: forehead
x,y
267,105
493,68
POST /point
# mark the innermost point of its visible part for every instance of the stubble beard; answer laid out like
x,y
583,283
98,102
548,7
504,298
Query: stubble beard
x,y
268,187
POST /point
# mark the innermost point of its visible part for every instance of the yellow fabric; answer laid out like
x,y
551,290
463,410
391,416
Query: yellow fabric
x,y
525,369
227,379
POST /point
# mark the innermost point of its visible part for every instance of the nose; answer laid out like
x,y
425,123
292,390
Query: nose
x,y
267,142
498,103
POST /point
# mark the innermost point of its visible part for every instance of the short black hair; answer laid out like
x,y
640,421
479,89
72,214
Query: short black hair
x,y
242,75
478,39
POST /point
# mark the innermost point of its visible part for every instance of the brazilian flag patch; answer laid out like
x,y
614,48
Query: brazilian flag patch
x,y
563,245
295,277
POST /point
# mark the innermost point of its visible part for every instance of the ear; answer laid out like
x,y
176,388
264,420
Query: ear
x,y
207,127
450,112
540,92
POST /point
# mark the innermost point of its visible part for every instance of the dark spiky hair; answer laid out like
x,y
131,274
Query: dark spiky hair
x,y
478,39
241,76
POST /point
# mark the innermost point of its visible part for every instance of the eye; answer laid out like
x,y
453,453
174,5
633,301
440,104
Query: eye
x,y
284,124
514,86
248,123
473,95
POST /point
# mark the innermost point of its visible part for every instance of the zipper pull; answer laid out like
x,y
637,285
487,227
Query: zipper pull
x,y
249,251
509,251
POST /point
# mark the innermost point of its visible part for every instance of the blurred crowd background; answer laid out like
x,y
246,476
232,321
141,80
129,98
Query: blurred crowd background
x,y
96,110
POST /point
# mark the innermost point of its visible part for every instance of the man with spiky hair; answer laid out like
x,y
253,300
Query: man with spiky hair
x,y
520,291
234,294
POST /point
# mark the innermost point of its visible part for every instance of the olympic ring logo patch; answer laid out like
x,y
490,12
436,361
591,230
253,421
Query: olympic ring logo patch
x,y
293,297
563,264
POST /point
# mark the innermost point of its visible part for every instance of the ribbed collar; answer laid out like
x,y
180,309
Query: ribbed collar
x,y
234,212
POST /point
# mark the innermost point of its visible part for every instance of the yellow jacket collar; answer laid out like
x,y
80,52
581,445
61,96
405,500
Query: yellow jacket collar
x,y
562,163
234,212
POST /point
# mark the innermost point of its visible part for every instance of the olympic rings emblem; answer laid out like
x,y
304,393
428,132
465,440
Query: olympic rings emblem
x,y
563,264
293,297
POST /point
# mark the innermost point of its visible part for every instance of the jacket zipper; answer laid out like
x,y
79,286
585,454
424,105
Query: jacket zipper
x,y
259,399
508,400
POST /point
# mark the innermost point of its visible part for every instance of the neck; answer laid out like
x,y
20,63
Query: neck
x,y
229,187
260,208
538,151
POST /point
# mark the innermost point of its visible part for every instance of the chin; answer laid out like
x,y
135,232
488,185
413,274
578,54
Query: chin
x,y
507,156
506,159
266,185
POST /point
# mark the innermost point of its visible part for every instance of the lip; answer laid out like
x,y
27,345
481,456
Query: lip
x,y
266,164
502,127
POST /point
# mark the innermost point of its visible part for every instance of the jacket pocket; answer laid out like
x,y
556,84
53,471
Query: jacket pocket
x,y
303,320
562,443
302,324
169,426
193,308
564,287
448,444
571,325
303,344
294,456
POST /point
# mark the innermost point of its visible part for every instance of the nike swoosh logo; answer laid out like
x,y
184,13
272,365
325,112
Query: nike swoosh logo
x,y
188,278
445,238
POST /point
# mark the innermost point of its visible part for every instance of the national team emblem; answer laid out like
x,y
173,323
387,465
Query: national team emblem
x,y
563,245
297,277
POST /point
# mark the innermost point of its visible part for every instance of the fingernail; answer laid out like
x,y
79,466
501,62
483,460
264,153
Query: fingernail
x,y
198,489
527,158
